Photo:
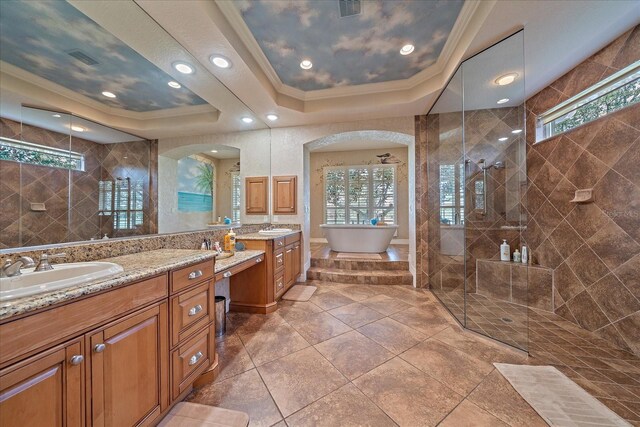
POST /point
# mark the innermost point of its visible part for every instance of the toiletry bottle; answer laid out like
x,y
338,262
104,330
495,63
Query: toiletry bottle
x,y
232,241
227,239
525,254
516,256
203,246
505,251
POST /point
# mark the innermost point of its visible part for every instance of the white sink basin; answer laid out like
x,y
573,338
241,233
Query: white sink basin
x,y
275,231
62,276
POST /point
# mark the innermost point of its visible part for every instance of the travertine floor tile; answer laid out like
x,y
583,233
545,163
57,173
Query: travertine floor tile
x,y
467,414
299,379
269,344
234,359
245,323
392,335
245,392
427,320
353,353
409,396
385,304
294,311
448,365
320,327
359,292
330,300
356,315
345,407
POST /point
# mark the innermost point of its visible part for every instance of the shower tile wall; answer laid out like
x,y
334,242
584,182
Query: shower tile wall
x,y
593,249
72,213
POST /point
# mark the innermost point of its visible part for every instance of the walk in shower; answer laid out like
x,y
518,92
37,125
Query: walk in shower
x,y
476,178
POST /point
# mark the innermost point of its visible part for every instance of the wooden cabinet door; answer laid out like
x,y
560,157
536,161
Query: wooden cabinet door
x,y
129,369
284,195
297,261
45,390
288,266
257,195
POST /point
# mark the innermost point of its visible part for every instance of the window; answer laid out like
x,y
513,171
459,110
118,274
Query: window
x,y
124,199
355,194
235,196
451,194
611,94
41,155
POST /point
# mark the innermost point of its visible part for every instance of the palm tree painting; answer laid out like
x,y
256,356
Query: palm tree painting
x,y
195,185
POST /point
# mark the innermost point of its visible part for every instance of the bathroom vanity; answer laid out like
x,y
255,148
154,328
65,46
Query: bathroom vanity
x,y
258,290
118,352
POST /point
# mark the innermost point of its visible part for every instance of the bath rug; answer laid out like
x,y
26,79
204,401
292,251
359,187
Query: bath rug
x,y
358,255
299,293
556,398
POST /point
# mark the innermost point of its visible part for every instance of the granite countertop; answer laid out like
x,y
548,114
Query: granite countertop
x,y
136,267
239,257
258,236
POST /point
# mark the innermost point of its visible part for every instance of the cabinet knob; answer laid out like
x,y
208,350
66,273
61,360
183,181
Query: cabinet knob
x,y
258,260
99,348
76,359
195,274
195,310
226,274
194,359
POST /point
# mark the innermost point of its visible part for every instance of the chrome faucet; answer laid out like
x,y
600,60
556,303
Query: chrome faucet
x,y
12,269
43,264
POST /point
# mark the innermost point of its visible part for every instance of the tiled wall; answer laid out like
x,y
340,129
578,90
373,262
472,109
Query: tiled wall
x,y
594,249
70,197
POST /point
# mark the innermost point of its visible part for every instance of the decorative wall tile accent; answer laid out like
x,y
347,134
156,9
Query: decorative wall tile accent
x,y
593,249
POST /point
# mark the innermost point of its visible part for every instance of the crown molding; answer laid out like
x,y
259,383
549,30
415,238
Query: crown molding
x,y
466,17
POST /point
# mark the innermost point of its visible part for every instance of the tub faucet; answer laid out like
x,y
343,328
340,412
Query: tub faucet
x,y
12,269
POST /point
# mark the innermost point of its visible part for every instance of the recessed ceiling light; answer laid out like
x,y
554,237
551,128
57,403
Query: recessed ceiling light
x,y
77,128
174,85
503,100
504,138
247,119
214,151
407,49
507,79
272,117
57,116
183,67
516,131
220,61
306,64
109,94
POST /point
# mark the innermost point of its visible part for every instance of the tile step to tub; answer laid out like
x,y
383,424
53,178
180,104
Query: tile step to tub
x,y
359,277
351,264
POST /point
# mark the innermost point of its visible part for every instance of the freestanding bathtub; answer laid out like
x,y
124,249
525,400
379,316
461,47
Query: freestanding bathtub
x,y
359,238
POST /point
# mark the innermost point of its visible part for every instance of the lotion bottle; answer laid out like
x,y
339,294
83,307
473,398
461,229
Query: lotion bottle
x,y
505,251
516,256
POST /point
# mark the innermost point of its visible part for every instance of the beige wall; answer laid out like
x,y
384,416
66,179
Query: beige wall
x,y
320,160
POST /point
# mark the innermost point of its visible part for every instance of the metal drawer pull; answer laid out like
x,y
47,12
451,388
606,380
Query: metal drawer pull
x,y
280,243
195,310
194,359
99,348
227,274
77,359
195,274
258,260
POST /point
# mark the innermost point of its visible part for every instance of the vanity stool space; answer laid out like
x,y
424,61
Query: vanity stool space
x,y
119,353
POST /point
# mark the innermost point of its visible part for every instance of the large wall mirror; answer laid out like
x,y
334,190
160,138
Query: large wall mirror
x,y
101,137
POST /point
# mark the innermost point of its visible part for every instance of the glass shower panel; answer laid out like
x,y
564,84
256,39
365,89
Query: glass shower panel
x,y
445,171
495,182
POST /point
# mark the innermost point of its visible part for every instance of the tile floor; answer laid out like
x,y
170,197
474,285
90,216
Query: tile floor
x,y
359,355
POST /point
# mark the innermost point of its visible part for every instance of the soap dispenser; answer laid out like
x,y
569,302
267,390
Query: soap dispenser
x,y
505,251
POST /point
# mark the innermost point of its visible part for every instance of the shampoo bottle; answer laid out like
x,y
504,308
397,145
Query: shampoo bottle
x,y
505,251
525,255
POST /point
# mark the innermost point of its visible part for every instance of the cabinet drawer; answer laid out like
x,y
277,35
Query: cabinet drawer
x,y
191,310
191,359
292,239
278,260
278,284
187,276
225,274
278,243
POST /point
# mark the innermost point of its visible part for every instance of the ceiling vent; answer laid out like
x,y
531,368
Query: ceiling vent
x,y
82,57
350,7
